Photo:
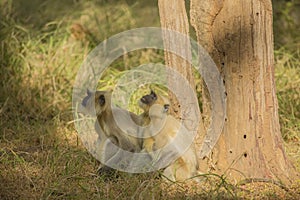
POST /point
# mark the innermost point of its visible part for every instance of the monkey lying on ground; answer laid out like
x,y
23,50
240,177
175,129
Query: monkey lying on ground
x,y
109,132
165,127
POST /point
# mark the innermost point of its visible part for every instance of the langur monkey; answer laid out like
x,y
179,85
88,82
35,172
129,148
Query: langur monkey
x,y
156,114
105,117
107,129
145,104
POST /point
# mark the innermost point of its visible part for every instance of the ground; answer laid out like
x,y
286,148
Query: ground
x,y
43,43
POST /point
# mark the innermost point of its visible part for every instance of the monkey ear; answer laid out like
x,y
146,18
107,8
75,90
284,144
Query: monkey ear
x,y
88,92
166,107
102,100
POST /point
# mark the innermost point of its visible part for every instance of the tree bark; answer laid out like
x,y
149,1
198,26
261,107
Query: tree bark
x,y
238,36
173,16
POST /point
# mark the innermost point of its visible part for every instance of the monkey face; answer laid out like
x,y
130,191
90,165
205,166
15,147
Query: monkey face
x,y
98,101
147,101
150,99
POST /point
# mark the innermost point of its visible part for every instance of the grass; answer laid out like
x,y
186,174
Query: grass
x,y
41,156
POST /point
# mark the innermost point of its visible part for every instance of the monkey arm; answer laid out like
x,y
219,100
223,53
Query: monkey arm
x,y
148,144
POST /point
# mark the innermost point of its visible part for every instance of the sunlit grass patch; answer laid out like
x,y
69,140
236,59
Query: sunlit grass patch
x,y
287,73
287,76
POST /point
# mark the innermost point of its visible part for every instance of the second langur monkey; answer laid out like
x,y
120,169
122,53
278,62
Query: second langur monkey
x,y
146,102
166,126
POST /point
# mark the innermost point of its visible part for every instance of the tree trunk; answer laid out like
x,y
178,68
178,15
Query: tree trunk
x,y
173,16
238,36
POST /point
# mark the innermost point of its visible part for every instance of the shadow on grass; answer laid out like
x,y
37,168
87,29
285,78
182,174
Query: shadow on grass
x,y
39,151
35,14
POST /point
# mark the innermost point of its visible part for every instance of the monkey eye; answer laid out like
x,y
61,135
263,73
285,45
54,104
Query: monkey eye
x,y
166,107
101,100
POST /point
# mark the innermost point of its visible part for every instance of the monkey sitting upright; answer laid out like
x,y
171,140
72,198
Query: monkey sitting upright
x,y
108,130
166,128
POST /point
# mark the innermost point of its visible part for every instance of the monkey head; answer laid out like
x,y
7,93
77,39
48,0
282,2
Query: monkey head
x,y
99,100
147,101
150,99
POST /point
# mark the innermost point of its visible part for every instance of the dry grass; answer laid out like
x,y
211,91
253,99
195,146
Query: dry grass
x,y
41,156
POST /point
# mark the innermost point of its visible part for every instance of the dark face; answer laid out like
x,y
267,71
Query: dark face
x,y
101,100
149,98
96,101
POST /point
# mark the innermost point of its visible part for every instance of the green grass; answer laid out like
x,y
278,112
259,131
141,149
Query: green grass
x,y
288,92
42,45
